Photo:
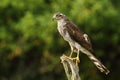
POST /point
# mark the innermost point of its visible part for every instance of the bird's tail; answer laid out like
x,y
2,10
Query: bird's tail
x,y
98,64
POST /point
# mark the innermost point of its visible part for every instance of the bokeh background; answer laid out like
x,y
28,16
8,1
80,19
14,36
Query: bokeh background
x,y
30,45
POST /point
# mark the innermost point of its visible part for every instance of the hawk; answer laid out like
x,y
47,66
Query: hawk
x,y
78,40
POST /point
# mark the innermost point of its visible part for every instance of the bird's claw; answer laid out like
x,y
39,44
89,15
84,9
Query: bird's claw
x,y
76,59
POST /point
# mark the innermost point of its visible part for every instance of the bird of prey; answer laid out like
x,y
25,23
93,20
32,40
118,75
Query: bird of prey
x,y
78,40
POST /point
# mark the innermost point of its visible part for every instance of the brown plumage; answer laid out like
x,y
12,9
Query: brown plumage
x,y
77,35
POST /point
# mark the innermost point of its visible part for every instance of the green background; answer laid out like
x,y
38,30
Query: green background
x,y
30,45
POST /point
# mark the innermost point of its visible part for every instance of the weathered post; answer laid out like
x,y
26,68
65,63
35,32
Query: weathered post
x,y
71,70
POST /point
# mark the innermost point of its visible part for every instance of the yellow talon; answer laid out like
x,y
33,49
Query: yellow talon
x,y
76,59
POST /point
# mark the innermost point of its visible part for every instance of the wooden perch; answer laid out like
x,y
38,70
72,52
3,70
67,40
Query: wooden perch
x,y
71,70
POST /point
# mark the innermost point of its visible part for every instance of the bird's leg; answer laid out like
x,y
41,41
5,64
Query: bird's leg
x,y
70,56
77,58
71,53
72,50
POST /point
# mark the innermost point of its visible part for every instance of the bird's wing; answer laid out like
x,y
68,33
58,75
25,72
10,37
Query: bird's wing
x,y
84,41
78,36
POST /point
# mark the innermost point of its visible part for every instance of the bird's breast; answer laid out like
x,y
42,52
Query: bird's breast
x,y
64,33
61,30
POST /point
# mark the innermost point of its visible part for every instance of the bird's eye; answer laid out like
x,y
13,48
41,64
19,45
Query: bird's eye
x,y
59,15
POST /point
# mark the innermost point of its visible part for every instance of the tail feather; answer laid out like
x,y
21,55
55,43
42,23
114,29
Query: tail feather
x,y
98,64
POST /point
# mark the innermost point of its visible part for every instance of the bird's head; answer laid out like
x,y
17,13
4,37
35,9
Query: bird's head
x,y
59,16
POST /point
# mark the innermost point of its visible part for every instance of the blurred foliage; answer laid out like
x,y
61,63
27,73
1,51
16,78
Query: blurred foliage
x,y
30,45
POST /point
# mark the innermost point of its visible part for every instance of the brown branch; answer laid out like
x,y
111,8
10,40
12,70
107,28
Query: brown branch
x,y
71,70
